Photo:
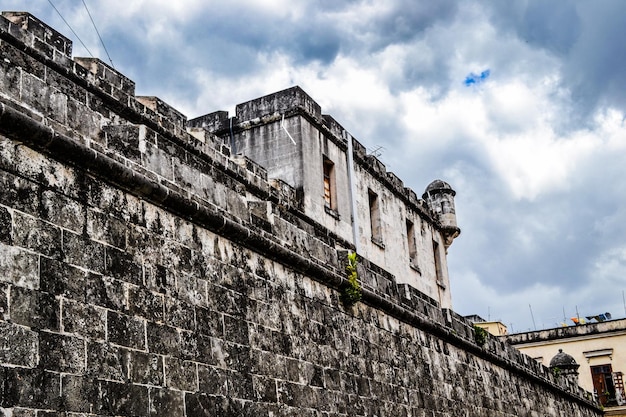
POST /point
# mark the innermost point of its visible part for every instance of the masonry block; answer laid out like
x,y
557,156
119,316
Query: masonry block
x,y
62,353
79,393
106,292
126,330
83,252
84,320
146,369
29,388
166,402
19,267
19,346
164,110
181,375
34,308
162,339
122,399
37,235
107,361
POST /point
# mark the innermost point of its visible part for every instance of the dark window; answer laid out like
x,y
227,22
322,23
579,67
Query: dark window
x,y
330,196
437,255
410,237
375,224
602,376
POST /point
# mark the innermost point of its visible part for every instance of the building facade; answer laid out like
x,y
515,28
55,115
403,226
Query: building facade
x,y
348,191
599,349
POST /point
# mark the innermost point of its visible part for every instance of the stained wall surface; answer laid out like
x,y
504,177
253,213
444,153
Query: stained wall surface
x,y
147,271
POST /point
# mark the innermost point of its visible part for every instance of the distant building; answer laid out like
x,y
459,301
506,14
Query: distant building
x,y
496,328
599,349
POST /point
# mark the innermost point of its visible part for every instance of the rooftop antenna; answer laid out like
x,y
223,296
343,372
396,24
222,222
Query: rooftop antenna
x,y
378,151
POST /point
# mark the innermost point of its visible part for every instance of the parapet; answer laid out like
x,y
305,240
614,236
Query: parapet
x,y
280,103
36,34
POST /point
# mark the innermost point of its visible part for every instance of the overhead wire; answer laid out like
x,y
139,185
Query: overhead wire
x,y
70,27
78,37
99,37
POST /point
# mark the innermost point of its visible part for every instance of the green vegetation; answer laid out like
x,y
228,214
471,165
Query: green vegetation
x,y
352,292
480,335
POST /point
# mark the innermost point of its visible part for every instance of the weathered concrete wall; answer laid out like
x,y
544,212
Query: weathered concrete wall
x,y
145,272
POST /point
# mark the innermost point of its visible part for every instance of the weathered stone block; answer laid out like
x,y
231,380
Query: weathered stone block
x,y
105,228
29,388
166,402
125,139
106,361
192,289
237,357
145,368
264,389
62,353
81,251
79,393
33,308
202,405
179,313
38,236
85,320
35,93
212,380
19,267
123,266
181,375
17,193
105,292
18,345
4,301
6,226
162,339
59,278
126,331
62,211
146,304
115,399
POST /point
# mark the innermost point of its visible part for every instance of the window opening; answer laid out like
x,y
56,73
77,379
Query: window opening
x,y
330,197
375,223
602,376
410,237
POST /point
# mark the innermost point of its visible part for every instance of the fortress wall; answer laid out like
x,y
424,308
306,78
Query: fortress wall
x,y
146,272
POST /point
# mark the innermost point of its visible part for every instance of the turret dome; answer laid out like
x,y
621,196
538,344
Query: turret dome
x,y
438,186
563,361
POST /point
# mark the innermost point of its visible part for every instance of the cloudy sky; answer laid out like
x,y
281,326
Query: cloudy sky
x,y
519,105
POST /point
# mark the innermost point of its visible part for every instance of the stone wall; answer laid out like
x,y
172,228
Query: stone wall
x,y
146,272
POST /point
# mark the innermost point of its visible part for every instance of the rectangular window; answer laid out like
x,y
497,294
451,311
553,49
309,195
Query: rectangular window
x,y
603,385
375,224
412,247
330,197
438,271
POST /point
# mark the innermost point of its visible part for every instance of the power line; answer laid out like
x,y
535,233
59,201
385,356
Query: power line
x,y
99,37
68,25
